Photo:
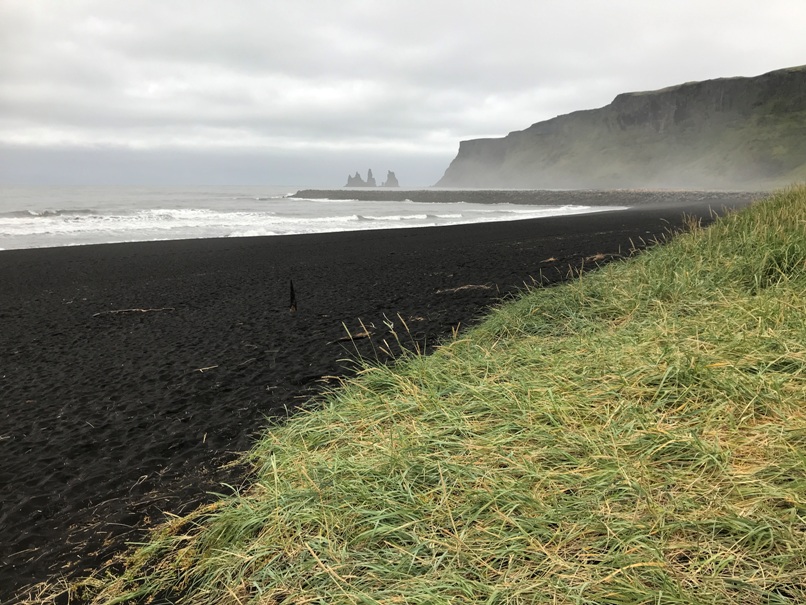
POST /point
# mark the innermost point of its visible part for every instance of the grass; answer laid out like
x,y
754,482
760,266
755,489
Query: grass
x,y
635,436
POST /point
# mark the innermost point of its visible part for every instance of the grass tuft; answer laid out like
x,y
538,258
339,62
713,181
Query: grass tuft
x,y
635,436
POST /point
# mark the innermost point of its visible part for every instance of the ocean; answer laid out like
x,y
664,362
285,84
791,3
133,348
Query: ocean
x,y
36,217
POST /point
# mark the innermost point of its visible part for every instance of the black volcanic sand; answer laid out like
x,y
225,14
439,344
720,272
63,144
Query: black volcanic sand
x,y
112,417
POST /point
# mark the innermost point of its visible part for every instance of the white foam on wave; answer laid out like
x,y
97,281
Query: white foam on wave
x,y
247,216
395,217
317,200
254,233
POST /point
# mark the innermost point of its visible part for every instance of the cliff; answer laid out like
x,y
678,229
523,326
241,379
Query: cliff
x,y
728,133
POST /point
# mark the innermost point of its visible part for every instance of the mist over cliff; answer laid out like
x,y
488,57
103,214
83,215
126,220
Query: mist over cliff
x,y
728,133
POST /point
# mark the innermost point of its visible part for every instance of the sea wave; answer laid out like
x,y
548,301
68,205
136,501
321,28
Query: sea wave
x,y
260,198
46,213
117,220
324,200
393,217
253,233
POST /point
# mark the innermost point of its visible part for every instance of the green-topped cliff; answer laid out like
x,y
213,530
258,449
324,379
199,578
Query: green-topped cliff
x,y
728,133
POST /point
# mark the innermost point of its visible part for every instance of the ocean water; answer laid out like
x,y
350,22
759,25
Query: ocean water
x,y
35,217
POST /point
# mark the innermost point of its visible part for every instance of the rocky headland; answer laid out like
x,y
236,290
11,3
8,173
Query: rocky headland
x,y
727,133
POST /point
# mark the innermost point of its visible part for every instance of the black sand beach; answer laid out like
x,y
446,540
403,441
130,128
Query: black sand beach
x,y
130,373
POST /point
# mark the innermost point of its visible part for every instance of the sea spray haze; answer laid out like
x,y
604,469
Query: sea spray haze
x,y
727,133
43,217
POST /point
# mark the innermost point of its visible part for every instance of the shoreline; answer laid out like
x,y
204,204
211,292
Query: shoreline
x,y
57,225
543,197
133,371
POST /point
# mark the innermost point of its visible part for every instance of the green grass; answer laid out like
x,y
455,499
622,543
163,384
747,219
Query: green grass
x,y
635,436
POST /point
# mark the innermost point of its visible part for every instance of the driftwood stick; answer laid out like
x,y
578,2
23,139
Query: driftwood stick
x,y
466,287
117,311
356,336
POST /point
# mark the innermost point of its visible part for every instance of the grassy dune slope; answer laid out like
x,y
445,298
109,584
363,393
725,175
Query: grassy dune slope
x,y
636,436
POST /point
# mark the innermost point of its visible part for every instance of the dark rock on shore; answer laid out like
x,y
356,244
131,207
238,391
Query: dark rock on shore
x,y
727,133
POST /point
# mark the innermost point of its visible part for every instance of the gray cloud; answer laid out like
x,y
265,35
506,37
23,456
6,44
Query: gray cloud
x,y
321,80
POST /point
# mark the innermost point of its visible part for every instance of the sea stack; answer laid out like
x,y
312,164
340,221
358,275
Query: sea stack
x,y
357,181
391,180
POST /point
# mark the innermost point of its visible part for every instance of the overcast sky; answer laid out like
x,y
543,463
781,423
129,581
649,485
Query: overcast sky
x,y
303,92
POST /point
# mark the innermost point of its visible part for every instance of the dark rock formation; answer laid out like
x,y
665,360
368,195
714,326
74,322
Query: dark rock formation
x,y
355,181
728,133
391,180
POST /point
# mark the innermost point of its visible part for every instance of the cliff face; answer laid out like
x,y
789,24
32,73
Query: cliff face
x,y
729,133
